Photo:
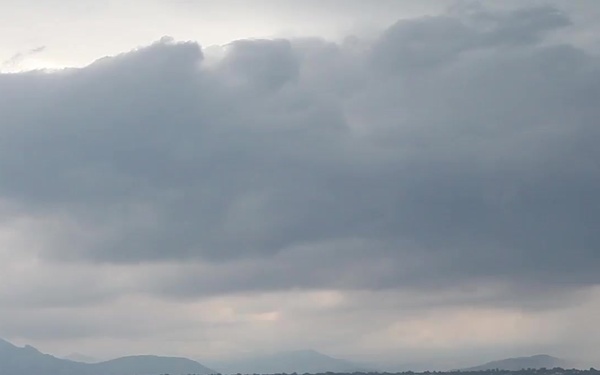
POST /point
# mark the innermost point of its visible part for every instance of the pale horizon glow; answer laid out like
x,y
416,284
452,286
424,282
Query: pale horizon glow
x,y
75,34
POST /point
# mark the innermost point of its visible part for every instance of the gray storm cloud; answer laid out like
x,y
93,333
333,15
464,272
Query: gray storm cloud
x,y
451,150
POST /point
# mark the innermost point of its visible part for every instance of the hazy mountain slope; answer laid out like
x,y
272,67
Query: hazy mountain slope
x,y
28,361
148,365
302,361
536,361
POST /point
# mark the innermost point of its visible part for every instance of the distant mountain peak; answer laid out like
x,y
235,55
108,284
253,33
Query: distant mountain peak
x,y
519,363
290,361
8,345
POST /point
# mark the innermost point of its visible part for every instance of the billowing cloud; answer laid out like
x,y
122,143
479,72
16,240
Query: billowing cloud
x,y
451,151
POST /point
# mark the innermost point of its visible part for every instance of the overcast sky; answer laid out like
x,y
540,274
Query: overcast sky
x,y
384,181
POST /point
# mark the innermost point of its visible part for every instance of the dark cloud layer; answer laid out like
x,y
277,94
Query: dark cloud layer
x,y
453,148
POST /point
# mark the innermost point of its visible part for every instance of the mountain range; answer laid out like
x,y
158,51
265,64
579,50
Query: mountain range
x,y
28,361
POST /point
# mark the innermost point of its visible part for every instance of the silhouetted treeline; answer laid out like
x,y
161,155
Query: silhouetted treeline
x,y
541,371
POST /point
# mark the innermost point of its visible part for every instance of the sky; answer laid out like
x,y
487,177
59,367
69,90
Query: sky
x,y
384,181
